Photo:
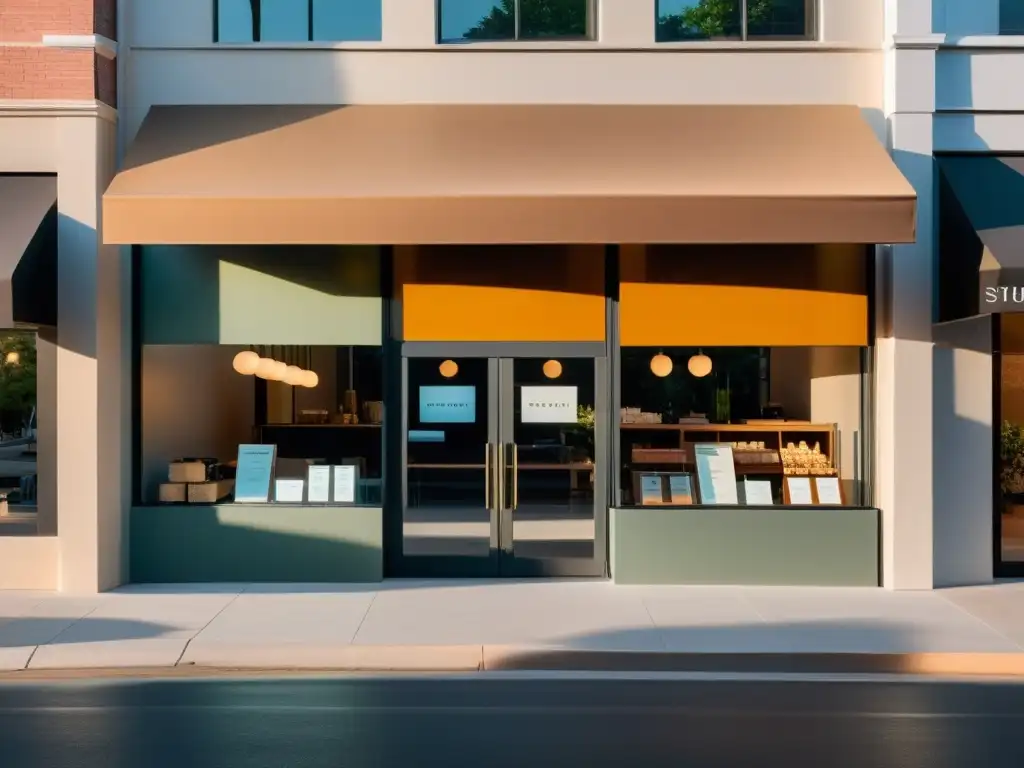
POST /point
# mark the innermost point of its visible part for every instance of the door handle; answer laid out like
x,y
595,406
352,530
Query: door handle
x,y
499,479
487,477
515,475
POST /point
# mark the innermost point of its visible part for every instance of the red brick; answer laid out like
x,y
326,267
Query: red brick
x,y
47,73
26,21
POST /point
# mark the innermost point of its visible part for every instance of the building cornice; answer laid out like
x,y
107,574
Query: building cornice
x,y
103,46
917,42
57,108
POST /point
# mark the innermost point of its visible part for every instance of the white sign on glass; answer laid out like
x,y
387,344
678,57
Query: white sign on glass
x,y
716,473
549,405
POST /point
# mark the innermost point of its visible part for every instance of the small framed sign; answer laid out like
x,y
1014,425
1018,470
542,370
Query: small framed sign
x,y
797,490
318,484
346,479
829,490
289,490
255,472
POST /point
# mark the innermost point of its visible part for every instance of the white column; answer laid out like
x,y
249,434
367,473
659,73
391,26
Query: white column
x,y
626,23
904,349
93,451
409,23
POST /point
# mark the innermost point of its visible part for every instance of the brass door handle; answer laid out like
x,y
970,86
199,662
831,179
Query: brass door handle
x,y
500,480
487,477
515,476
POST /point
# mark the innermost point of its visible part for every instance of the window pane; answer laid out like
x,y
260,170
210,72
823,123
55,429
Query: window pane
x,y
776,18
235,21
477,20
17,429
552,18
284,21
1011,17
698,20
346,20
807,400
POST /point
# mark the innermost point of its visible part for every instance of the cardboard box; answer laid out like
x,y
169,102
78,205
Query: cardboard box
x,y
211,492
187,472
173,493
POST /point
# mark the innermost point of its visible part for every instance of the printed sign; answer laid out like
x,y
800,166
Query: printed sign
x,y
548,405
680,489
447,405
716,473
289,489
651,489
254,472
346,477
319,477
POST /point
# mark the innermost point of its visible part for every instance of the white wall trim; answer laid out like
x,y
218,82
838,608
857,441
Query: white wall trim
x,y
58,108
1001,42
103,46
917,42
560,46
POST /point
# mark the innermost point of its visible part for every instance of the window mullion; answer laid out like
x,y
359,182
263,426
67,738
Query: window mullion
x,y
743,19
516,12
309,21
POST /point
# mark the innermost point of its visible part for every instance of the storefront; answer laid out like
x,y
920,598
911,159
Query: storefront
x,y
981,263
518,340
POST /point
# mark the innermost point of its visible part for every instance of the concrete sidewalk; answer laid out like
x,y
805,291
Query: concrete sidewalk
x,y
495,625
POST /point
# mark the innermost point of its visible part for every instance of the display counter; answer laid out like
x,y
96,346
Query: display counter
x,y
792,546
231,542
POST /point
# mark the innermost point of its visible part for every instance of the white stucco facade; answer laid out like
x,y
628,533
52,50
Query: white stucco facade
x,y
929,75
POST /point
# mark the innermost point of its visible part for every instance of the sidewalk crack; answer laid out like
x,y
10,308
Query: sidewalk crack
x,y
981,621
213,618
363,619
654,625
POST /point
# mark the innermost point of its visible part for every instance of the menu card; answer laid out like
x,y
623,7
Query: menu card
x,y
716,473
828,490
651,490
319,476
680,489
289,489
799,490
345,477
757,493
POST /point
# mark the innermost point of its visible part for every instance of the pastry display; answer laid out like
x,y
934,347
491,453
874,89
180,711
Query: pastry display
x,y
802,460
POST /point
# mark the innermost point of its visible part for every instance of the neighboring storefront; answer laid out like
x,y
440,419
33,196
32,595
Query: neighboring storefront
x,y
592,363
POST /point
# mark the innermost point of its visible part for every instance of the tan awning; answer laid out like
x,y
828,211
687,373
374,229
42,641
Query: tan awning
x,y
28,250
507,174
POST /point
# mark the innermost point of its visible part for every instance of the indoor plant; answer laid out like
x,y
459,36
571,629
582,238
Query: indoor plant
x,y
1011,469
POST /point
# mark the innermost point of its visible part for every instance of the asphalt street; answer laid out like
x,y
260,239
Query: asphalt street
x,y
493,722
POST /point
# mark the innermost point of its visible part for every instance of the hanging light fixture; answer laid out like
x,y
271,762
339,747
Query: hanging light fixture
x,y
267,368
310,379
699,365
661,365
13,358
293,375
448,368
246,362
552,369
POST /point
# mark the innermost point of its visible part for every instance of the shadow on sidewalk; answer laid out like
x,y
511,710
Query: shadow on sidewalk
x,y
18,631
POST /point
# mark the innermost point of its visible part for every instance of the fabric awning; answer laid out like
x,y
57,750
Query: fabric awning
x,y
981,234
454,174
28,250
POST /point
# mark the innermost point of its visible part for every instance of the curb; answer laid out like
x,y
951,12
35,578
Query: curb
x,y
222,659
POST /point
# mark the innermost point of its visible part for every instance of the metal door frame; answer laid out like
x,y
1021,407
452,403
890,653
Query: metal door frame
x,y
500,358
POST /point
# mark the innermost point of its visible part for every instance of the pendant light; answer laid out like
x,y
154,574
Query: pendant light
x,y
448,368
246,362
661,365
699,365
552,369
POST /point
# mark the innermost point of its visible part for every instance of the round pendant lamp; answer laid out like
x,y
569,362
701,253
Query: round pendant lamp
x,y
280,370
699,365
12,358
293,375
448,368
661,365
246,362
310,379
552,369
267,369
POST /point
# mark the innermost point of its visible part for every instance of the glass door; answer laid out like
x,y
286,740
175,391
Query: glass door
x,y
503,466
450,521
553,491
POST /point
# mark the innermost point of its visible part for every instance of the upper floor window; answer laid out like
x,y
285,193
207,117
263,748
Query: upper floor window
x,y
509,20
1011,17
684,20
297,21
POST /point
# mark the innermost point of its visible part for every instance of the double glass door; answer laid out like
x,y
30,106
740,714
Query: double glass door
x,y
504,472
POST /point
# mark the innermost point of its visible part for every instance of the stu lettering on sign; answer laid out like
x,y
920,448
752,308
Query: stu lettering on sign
x,y
1004,294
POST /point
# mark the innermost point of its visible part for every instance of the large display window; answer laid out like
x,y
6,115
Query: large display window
x,y
261,376
752,426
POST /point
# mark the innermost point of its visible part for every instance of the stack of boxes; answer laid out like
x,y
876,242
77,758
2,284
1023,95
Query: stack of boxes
x,y
196,481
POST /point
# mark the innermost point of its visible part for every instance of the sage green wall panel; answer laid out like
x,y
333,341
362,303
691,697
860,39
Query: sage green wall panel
x,y
255,543
744,545
313,295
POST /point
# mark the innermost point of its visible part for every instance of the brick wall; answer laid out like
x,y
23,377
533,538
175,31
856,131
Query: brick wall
x,y
30,71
